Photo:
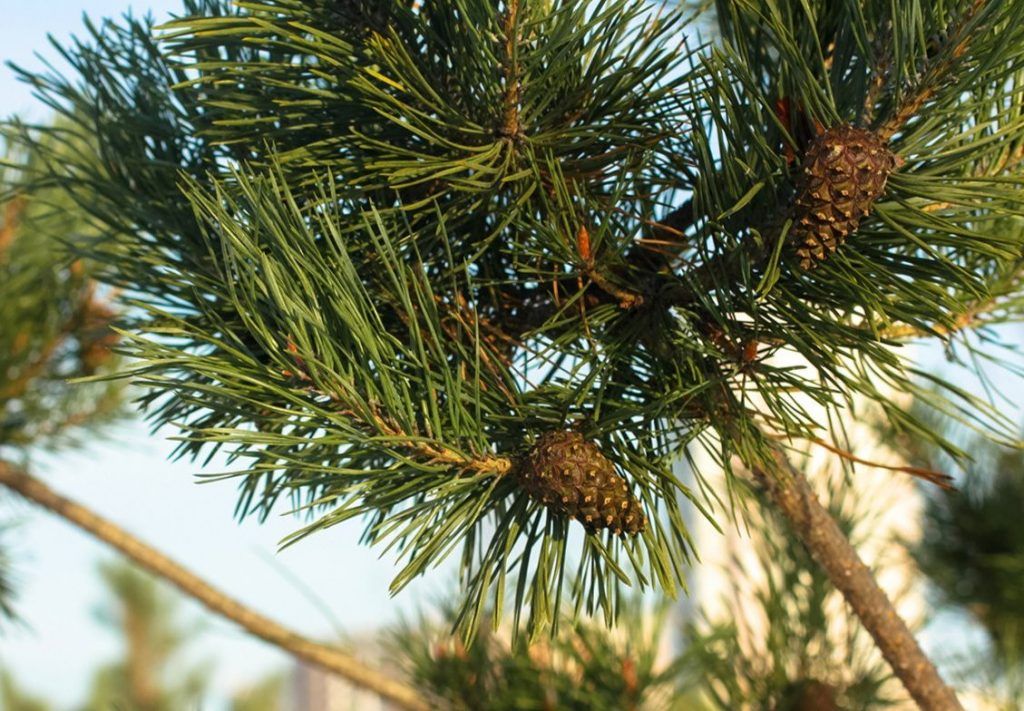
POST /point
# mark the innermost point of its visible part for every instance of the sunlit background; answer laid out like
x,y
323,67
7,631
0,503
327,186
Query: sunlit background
x,y
127,477
324,584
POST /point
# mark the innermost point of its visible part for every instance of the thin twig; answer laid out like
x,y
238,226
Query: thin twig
x,y
880,74
322,655
627,298
941,480
432,453
481,464
511,127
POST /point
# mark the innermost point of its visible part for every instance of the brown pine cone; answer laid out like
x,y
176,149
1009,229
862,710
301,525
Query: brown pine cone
x,y
843,172
573,478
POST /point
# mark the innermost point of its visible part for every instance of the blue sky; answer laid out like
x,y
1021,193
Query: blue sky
x,y
128,478
26,25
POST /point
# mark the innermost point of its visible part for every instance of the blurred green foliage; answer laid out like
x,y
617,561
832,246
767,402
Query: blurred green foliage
x,y
586,667
14,698
55,321
264,695
783,640
150,675
55,325
972,551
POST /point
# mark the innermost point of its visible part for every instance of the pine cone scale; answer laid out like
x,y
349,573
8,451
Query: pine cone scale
x,y
573,478
844,172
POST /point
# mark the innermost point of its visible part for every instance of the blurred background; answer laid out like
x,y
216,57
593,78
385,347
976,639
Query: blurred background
x,y
88,623
320,585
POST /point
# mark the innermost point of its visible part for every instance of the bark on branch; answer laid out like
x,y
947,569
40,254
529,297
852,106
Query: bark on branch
x,y
511,128
790,492
316,653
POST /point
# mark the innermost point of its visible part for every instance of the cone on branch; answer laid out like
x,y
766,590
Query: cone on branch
x,y
573,478
844,172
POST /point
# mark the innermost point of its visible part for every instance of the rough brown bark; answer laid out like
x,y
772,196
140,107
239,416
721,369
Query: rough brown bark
x,y
322,655
791,493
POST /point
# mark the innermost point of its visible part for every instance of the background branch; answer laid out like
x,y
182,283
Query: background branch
x,y
789,490
322,655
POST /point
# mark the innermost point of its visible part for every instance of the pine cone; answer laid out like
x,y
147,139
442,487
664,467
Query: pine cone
x,y
571,477
809,695
844,171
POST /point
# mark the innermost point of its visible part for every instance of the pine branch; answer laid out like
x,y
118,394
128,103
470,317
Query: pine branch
x,y
324,656
973,317
791,494
430,453
401,196
511,128
974,314
953,49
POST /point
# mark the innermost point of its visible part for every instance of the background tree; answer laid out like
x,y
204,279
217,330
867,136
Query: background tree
x,y
56,319
584,667
54,326
150,675
781,639
474,272
973,553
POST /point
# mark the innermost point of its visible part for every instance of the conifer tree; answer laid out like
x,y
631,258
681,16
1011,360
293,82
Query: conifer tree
x,y
149,676
55,319
55,325
972,552
478,273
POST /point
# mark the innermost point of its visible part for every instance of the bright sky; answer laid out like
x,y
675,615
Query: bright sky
x,y
129,479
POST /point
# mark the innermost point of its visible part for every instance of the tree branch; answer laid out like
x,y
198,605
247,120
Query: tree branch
x,y
434,453
325,656
790,492
511,127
